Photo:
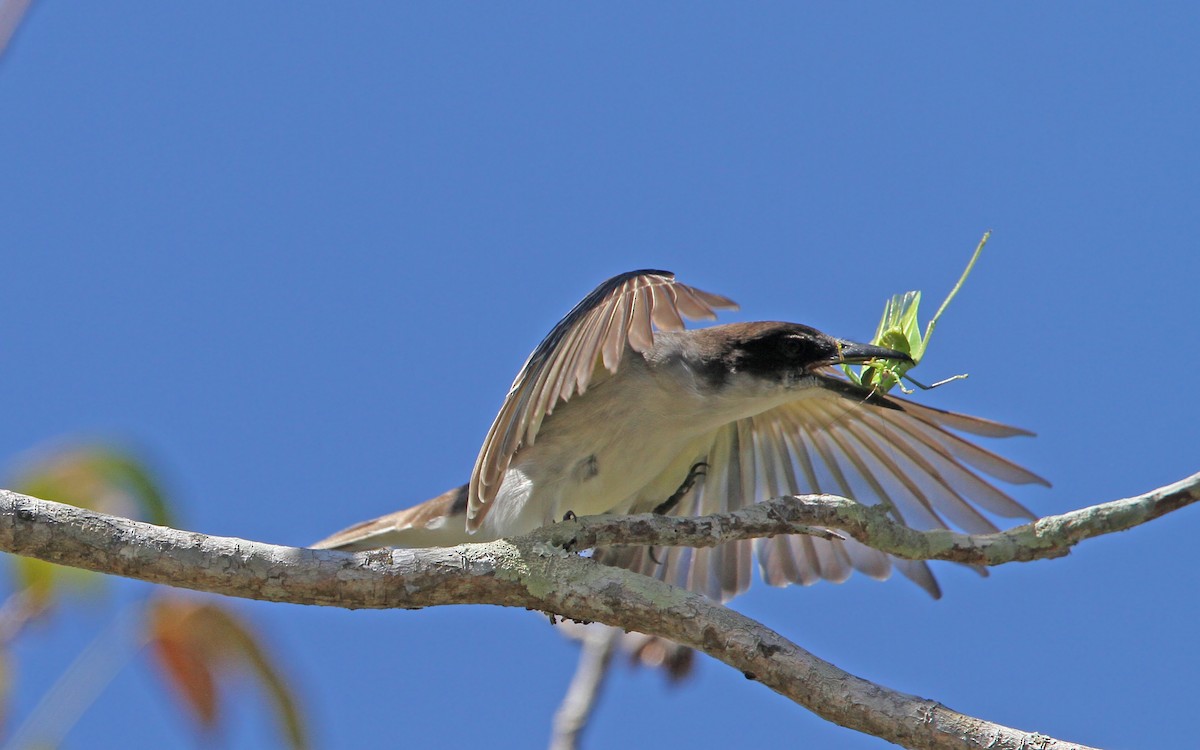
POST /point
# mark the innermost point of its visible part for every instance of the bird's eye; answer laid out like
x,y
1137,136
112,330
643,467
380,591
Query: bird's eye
x,y
791,347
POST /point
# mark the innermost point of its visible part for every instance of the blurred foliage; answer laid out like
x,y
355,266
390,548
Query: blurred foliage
x,y
650,651
677,662
202,649
98,477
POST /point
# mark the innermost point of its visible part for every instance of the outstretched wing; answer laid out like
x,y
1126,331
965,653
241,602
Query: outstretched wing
x,y
845,441
841,440
622,311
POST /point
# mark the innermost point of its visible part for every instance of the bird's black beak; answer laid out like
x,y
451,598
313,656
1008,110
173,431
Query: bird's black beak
x,y
850,352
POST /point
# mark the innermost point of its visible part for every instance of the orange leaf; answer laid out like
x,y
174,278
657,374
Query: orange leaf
x,y
204,647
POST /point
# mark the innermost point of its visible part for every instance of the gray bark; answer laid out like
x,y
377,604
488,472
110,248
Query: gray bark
x,y
536,572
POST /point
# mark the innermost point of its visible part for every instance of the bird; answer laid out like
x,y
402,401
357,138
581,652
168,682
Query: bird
x,y
621,409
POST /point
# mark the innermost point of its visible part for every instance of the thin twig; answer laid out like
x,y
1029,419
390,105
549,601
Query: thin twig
x,y
11,13
1049,537
78,687
595,656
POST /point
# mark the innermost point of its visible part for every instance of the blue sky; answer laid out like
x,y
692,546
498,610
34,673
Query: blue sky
x,y
295,252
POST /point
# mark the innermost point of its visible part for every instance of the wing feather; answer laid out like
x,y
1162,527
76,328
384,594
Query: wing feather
x,y
640,334
690,305
929,459
620,313
984,460
794,452
614,332
665,311
584,359
953,504
874,449
868,447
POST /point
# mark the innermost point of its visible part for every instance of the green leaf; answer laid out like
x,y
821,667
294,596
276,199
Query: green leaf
x,y
99,477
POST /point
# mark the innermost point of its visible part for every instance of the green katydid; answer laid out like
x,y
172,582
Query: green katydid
x,y
898,329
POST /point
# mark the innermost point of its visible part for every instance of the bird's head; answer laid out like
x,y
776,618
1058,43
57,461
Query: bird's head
x,y
775,354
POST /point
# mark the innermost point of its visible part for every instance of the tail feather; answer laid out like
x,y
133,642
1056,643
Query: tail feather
x,y
440,522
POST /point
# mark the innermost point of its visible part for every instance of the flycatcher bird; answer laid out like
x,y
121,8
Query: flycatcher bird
x,y
620,409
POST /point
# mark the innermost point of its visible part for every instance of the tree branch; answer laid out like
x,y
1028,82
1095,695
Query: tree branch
x,y
595,657
1049,537
531,572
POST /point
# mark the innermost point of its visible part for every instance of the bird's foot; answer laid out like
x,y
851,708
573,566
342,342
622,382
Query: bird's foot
x,y
694,473
570,545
